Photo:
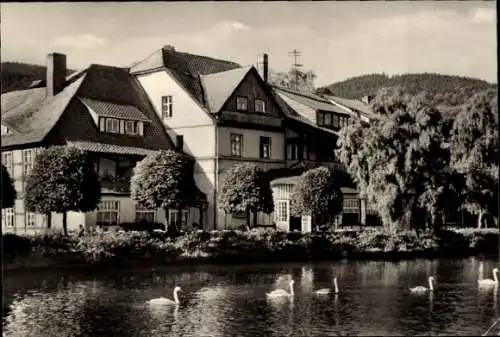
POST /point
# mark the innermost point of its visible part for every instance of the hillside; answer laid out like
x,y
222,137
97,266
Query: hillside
x,y
18,76
450,90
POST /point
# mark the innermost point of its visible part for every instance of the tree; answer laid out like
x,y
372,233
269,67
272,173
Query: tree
x,y
62,179
246,189
8,191
164,179
400,162
294,79
318,194
474,152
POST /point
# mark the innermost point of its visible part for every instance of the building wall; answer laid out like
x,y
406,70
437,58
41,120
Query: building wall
x,y
196,126
189,119
251,143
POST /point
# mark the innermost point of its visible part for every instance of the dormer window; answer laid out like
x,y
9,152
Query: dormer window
x,y
260,106
166,106
6,130
112,125
241,103
122,126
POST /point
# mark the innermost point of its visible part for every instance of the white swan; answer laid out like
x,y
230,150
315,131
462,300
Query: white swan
x,y
164,300
422,289
488,281
281,292
326,291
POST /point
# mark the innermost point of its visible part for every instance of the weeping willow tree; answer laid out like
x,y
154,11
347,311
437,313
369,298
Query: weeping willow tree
x,y
474,148
400,162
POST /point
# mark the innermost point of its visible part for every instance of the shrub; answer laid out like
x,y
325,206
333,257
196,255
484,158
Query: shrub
x,y
246,189
8,195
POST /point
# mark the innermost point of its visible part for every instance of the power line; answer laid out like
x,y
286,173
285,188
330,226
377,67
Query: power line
x,y
296,54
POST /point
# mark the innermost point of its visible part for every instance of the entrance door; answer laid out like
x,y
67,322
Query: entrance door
x,y
295,223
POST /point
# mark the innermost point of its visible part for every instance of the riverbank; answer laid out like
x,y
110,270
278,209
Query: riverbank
x,y
127,249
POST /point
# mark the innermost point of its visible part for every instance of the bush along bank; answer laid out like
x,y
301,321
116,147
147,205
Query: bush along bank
x,y
134,247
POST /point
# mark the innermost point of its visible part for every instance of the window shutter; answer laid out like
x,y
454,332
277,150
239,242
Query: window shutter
x,y
140,128
102,124
122,126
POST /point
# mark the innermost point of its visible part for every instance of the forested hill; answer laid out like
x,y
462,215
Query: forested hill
x,y
18,76
434,84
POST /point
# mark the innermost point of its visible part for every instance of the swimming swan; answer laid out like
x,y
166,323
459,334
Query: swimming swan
x,y
163,300
422,289
281,292
326,291
488,281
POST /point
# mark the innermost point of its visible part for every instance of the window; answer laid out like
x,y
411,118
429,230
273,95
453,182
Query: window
x,y
112,125
173,218
8,163
282,211
260,106
321,119
265,147
336,121
144,214
131,127
107,212
241,103
351,206
8,219
29,219
236,144
6,130
293,152
166,106
27,165
328,120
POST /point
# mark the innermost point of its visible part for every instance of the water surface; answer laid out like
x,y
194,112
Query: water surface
x,y
230,300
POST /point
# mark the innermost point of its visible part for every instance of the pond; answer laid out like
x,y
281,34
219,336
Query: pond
x,y
374,299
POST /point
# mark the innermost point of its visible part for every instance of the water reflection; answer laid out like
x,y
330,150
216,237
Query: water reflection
x,y
220,301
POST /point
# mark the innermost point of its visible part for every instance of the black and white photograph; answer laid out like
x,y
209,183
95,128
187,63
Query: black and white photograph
x,y
249,168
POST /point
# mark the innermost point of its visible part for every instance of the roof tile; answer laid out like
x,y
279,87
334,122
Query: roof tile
x,y
114,110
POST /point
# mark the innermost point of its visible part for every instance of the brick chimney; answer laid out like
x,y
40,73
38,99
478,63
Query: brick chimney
x,y
367,99
265,67
56,73
168,47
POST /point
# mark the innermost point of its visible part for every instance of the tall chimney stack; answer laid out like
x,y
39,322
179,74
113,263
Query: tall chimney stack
x,y
265,70
56,73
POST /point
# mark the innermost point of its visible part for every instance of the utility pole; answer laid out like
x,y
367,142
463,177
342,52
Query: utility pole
x,y
295,54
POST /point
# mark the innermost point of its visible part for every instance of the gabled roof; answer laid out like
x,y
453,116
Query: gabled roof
x,y
114,110
32,115
218,87
294,116
352,104
35,120
311,100
185,68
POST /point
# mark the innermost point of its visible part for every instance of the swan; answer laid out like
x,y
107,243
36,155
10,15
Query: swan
x,y
163,300
326,291
281,292
422,289
488,281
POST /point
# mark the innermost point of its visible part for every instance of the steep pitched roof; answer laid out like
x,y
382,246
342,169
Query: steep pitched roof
x,y
311,100
352,104
34,121
218,87
114,110
294,116
33,116
186,68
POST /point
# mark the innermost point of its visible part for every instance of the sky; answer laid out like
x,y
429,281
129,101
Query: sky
x,y
337,40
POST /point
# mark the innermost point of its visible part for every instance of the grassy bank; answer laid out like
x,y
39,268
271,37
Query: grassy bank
x,y
132,248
